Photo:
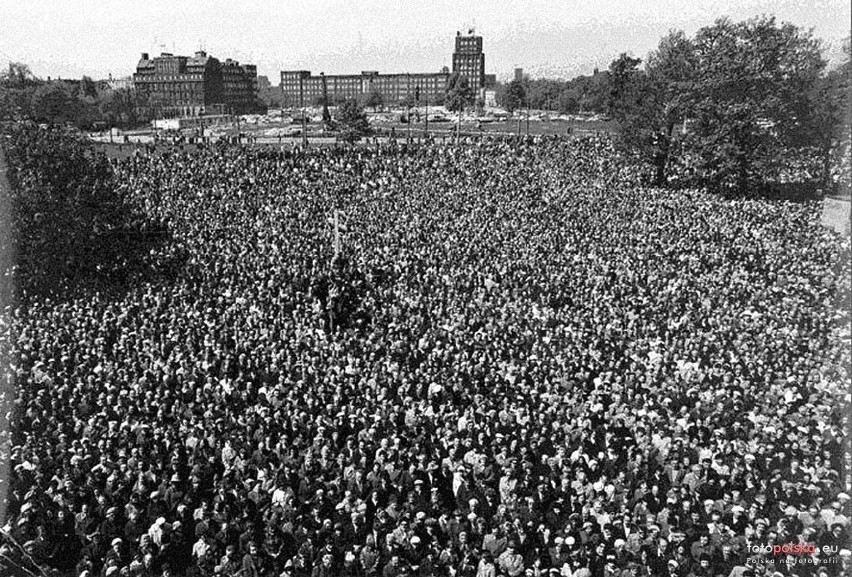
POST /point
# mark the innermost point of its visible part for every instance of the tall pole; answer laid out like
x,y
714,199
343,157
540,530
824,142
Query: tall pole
x,y
408,101
302,105
426,129
336,234
304,127
528,120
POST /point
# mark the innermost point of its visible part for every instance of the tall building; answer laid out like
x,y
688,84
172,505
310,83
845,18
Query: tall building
x,y
469,60
193,85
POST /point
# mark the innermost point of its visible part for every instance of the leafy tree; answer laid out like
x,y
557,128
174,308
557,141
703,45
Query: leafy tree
x,y
71,226
459,93
516,96
52,103
649,104
121,107
543,93
736,106
568,102
624,72
479,106
18,75
17,86
750,102
591,92
374,99
352,122
88,89
409,101
832,122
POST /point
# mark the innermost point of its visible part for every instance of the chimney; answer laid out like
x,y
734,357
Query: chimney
x,y
144,56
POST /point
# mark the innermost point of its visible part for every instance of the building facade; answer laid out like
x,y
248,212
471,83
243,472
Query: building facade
x,y
301,88
172,86
469,60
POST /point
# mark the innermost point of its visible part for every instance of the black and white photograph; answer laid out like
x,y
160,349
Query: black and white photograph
x,y
435,288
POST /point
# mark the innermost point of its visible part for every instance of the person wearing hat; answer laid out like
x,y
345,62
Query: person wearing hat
x,y
836,536
510,561
110,526
736,519
118,553
558,553
610,567
494,542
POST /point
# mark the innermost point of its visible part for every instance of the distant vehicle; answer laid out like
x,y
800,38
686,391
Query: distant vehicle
x,y
439,118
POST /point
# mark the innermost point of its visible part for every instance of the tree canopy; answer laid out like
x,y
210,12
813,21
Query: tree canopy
x,y
516,96
352,121
71,225
732,108
459,93
82,103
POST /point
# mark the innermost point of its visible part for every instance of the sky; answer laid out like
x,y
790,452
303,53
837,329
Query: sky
x,y
548,38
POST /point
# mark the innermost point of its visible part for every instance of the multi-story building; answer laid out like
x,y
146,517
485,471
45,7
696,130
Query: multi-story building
x,y
301,88
469,61
194,85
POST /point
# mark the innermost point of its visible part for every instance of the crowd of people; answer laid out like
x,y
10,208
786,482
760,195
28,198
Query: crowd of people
x,y
499,359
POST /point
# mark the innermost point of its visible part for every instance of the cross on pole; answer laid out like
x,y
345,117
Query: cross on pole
x,y
336,234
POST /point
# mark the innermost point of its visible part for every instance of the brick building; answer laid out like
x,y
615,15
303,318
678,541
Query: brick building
x,y
301,88
469,60
194,85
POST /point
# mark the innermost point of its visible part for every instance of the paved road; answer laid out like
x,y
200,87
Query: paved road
x,y
837,215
